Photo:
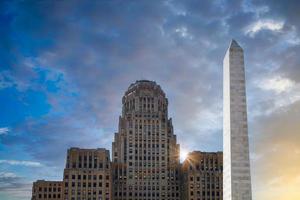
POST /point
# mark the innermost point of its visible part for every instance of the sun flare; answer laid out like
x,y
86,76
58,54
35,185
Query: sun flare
x,y
183,154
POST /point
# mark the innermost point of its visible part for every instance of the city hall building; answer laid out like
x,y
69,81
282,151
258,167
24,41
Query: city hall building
x,y
145,163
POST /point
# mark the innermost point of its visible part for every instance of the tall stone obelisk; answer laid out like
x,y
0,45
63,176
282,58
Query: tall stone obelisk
x,y
236,174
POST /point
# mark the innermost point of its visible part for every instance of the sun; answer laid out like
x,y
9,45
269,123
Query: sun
x,y
183,154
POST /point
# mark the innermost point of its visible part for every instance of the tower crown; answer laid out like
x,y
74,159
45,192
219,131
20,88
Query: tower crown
x,y
144,85
144,96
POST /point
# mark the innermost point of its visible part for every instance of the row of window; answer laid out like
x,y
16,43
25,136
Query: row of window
x,y
89,184
137,116
144,194
87,192
86,177
146,101
94,165
207,187
157,177
207,178
144,164
205,193
89,198
49,196
49,189
204,167
145,158
148,188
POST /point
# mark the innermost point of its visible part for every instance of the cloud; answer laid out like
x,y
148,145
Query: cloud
x,y
4,130
261,24
8,180
276,93
7,175
277,84
183,32
14,186
21,163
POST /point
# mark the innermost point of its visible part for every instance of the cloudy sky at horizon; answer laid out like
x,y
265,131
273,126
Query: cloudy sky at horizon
x,y
65,66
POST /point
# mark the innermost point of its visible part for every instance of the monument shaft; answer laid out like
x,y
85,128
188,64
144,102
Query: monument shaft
x,y
236,177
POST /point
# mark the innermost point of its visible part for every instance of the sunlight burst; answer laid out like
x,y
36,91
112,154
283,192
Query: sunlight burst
x,y
183,154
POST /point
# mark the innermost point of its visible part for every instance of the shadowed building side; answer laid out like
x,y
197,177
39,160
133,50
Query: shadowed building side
x,y
202,176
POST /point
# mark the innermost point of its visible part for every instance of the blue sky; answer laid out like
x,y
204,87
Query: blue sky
x,y
65,66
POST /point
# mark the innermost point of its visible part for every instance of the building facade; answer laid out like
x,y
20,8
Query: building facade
x,y
237,178
145,159
145,151
87,175
45,190
202,176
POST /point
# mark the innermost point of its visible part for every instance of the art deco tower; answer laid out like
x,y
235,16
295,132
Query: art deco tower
x,y
145,152
236,177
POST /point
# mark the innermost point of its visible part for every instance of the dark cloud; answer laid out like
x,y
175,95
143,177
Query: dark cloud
x,y
287,10
290,64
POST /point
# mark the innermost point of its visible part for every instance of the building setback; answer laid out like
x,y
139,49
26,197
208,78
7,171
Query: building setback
x,y
44,190
87,175
202,176
237,180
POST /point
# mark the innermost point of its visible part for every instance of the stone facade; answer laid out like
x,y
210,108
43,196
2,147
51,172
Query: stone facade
x,y
87,175
202,176
237,180
46,190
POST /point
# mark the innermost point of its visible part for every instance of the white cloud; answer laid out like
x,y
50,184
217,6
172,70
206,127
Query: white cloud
x,y
277,84
7,175
21,162
259,25
4,130
284,92
183,32
287,98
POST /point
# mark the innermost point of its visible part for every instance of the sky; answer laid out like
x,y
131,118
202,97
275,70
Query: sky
x,y
65,65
